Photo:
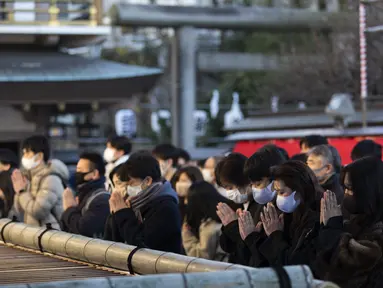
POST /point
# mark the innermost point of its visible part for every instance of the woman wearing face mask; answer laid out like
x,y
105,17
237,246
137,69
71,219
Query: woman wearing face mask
x,y
229,175
351,252
202,228
290,236
181,183
149,217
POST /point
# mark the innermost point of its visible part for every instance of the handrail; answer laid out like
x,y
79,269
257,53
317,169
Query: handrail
x,y
56,12
143,261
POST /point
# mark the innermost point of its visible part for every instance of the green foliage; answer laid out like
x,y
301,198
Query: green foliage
x,y
145,57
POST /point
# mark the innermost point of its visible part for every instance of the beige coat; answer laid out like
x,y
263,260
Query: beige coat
x,y
207,246
42,202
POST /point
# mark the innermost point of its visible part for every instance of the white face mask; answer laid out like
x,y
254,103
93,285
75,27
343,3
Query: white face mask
x,y
207,176
109,155
287,204
236,196
29,163
221,191
265,195
182,188
134,190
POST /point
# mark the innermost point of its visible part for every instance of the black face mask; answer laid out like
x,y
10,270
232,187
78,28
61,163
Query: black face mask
x,y
79,176
349,203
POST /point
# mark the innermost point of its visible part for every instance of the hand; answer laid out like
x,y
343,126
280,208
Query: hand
x,y
246,224
226,214
186,227
19,181
116,202
329,207
68,199
270,220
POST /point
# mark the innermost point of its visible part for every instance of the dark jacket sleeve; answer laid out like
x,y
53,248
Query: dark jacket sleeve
x,y
91,223
155,231
275,249
229,237
253,242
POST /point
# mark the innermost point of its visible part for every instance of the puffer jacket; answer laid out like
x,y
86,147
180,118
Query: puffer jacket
x,y
207,246
41,203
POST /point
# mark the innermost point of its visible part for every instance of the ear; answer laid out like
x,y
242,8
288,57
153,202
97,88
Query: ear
x,y
330,168
148,181
96,174
170,162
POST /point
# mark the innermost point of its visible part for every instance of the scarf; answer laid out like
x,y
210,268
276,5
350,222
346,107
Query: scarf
x,y
147,195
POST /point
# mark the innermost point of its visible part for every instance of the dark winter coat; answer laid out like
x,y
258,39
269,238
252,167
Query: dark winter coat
x,y
160,228
350,254
89,221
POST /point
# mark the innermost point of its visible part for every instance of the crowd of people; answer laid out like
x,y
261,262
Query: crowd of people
x,y
267,210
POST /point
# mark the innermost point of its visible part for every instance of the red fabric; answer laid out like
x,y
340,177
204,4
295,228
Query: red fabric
x,y
343,145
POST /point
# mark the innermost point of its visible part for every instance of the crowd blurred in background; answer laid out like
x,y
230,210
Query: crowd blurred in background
x,y
267,210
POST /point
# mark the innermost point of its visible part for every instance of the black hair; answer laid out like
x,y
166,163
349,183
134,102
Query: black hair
x,y
365,175
114,171
120,143
194,174
300,178
201,163
302,157
140,165
181,153
165,152
7,187
38,144
313,140
284,152
366,148
8,157
259,164
202,199
96,160
230,169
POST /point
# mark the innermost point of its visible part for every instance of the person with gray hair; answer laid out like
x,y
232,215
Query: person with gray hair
x,y
325,162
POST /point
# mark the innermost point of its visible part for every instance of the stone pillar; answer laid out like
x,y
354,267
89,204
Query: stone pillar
x,y
183,82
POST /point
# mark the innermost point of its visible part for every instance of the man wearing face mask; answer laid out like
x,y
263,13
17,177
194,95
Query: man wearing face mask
x,y
86,213
150,216
38,192
325,162
166,155
116,153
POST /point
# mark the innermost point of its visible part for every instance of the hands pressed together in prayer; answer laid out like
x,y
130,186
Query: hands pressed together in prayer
x,y
270,221
329,207
117,202
19,181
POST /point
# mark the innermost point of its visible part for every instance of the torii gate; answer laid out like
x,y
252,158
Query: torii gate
x,y
183,58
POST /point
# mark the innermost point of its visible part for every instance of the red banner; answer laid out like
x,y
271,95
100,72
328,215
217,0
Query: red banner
x,y
343,145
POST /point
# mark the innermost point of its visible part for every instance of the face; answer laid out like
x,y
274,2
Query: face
x,y
282,190
210,167
144,183
28,154
261,184
184,178
165,165
319,166
347,185
117,153
86,167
